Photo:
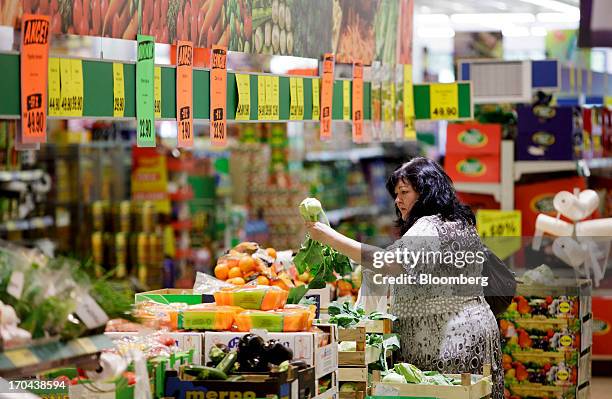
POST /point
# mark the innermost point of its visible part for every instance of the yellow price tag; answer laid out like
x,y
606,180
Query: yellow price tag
x,y
243,111
261,97
273,98
300,98
55,92
608,101
346,100
409,128
444,101
118,91
22,357
71,76
500,230
316,99
157,92
294,100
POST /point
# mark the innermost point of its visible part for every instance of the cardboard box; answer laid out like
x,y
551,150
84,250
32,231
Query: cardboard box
x,y
303,344
254,386
536,198
463,168
545,133
473,138
184,341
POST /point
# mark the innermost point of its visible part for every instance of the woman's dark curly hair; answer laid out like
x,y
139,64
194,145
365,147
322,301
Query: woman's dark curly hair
x,y
436,193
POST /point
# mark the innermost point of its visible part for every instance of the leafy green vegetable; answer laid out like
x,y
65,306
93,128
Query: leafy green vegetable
x,y
345,316
411,373
394,378
385,342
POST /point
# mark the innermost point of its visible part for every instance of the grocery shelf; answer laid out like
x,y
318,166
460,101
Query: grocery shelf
x,y
21,175
46,356
526,167
27,224
493,189
337,215
354,154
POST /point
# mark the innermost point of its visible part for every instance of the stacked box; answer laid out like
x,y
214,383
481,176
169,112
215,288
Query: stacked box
x,y
546,341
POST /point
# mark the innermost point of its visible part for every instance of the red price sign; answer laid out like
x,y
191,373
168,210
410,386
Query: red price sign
x,y
34,70
327,95
218,94
184,93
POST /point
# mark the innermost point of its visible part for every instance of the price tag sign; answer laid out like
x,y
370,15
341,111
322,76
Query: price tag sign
x,y
500,230
184,93
118,91
274,97
327,96
145,91
300,97
357,102
294,101
261,97
157,92
243,111
54,88
409,128
90,312
76,87
346,100
316,99
33,73
22,357
444,101
218,93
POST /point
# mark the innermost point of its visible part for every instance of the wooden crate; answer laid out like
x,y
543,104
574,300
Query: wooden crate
x,y
377,326
360,393
472,387
357,358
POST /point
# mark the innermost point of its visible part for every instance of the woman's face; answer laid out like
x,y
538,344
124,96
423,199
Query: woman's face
x,y
405,197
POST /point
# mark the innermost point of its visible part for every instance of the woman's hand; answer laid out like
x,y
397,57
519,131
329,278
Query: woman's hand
x,y
321,232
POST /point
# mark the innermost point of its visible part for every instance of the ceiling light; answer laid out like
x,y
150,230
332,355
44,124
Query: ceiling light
x,y
498,18
554,5
515,31
431,19
558,17
442,32
538,31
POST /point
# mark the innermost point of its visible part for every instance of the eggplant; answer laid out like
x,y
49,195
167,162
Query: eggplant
x,y
276,353
251,353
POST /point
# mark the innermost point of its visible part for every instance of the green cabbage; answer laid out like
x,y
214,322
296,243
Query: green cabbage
x,y
411,373
394,378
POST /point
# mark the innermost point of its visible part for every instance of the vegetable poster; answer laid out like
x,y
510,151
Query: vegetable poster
x,y
355,30
34,64
150,178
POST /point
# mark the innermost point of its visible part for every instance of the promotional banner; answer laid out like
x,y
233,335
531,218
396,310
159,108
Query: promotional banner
x,y
145,91
34,69
184,94
364,30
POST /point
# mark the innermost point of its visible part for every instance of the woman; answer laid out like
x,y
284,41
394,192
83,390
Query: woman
x,y
448,328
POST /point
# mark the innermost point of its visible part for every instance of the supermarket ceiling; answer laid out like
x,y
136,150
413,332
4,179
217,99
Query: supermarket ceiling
x,y
496,6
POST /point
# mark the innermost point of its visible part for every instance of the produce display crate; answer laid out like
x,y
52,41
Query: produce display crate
x,y
353,366
173,295
472,387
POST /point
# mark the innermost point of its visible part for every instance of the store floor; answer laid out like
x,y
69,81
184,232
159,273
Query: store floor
x,y
601,387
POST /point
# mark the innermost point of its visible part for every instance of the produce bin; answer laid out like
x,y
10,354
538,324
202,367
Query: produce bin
x,y
174,295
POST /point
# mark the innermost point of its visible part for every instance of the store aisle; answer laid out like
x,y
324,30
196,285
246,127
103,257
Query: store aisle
x,y
601,387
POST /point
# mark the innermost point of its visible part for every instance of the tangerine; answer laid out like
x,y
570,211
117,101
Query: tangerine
x,y
246,264
235,272
222,271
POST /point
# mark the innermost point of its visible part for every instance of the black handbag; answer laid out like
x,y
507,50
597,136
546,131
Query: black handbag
x,y
501,283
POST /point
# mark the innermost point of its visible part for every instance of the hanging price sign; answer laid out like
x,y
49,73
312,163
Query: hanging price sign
x,y
444,101
262,98
243,110
346,100
409,128
54,88
296,102
327,96
71,76
145,91
500,230
316,99
299,91
184,93
157,92
357,102
118,91
273,97
33,73
218,95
